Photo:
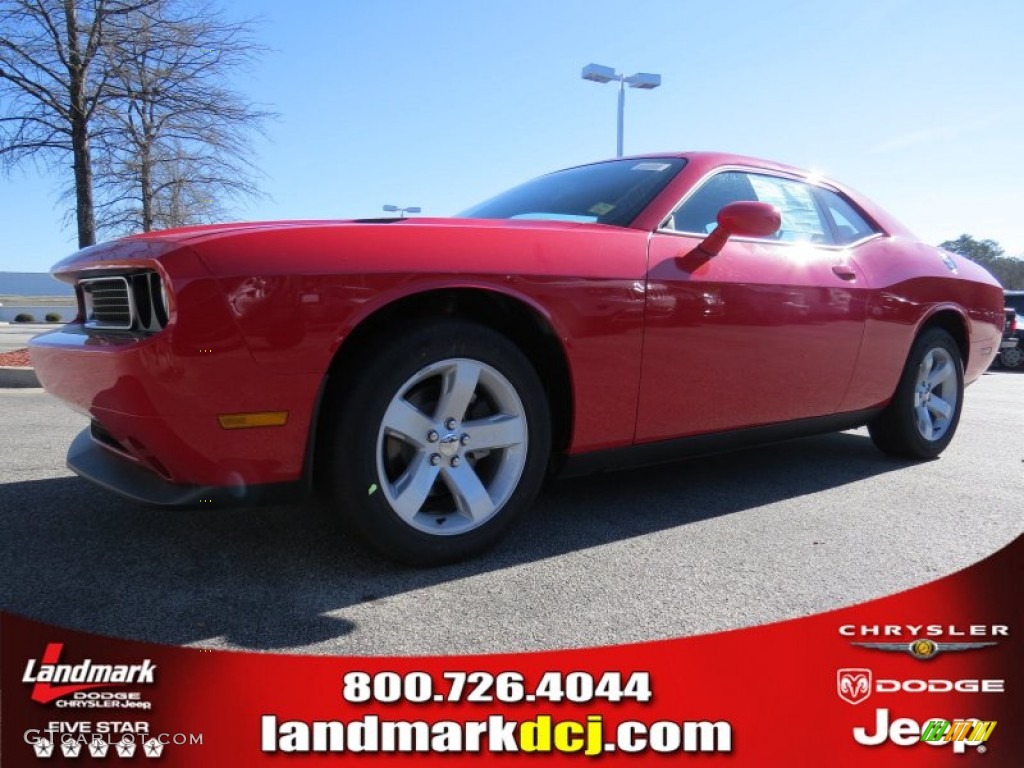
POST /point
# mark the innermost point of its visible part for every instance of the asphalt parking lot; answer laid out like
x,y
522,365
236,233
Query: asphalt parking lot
x,y
676,550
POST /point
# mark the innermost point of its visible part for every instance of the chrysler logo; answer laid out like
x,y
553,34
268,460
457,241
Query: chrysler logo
x,y
923,648
853,685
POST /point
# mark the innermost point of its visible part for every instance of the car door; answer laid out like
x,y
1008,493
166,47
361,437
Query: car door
x,y
766,331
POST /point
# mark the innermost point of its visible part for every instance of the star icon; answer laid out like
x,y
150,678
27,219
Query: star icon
x,y
125,748
154,748
71,748
43,748
98,747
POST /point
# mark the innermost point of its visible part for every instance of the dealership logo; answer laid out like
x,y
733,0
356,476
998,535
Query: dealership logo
x,y
43,748
853,685
923,648
924,641
934,732
98,747
76,679
100,738
970,731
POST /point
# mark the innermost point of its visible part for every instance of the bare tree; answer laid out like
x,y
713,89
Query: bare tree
x,y
132,91
174,192
174,146
51,86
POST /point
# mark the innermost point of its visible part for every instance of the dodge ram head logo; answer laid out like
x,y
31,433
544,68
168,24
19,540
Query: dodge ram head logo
x,y
853,685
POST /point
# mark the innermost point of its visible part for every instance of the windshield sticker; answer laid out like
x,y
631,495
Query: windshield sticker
x,y
600,209
651,167
540,216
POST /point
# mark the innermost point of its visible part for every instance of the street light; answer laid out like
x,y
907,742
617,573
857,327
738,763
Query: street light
x,y
599,74
402,211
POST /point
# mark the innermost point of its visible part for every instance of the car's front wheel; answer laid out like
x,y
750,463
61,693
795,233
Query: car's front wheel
x,y
436,442
924,412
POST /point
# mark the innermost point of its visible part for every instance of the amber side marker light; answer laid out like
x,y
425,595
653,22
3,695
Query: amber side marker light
x,y
247,420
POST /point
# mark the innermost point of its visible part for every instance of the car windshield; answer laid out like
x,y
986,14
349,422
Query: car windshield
x,y
613,192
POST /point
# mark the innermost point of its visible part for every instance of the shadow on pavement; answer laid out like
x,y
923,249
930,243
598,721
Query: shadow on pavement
x,y
78,557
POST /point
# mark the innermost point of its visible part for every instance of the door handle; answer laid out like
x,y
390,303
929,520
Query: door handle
x,y
844,272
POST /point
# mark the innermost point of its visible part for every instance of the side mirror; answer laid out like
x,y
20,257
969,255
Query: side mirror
x,y
747,219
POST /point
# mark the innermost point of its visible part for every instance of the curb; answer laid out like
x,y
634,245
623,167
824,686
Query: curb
x,y
11,377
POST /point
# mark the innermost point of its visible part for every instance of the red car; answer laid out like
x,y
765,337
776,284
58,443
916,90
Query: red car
x,y
426,374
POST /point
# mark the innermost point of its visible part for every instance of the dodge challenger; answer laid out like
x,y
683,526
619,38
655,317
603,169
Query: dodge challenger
x,y
425,375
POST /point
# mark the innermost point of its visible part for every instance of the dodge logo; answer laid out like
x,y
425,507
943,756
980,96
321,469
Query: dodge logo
x,y
853,685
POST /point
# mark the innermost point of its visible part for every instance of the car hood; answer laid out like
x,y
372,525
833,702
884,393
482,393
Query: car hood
x,y
215,231
310,246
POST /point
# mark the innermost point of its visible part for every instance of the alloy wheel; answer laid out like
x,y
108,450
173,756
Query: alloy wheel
x,y
452,446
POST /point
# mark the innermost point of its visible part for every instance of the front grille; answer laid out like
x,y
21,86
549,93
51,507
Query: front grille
x,y
108,303
133,302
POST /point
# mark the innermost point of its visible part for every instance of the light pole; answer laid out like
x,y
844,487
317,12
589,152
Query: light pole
x,y
600,74
402,211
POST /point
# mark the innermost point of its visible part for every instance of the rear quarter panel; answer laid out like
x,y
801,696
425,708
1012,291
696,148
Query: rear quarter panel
x,y
910,284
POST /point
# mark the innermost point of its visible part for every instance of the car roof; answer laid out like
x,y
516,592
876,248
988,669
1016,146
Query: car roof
x,y
711,159
702,162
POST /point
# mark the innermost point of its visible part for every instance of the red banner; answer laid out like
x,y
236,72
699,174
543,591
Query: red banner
x,y
928,677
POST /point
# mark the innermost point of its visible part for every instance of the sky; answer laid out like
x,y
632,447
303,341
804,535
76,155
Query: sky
x,y
918,104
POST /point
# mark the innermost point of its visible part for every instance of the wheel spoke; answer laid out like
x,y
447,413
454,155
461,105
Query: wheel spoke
x,y
403,420
939,376
471,497
410,491
926,365
499,431
941,407
924,422
459,386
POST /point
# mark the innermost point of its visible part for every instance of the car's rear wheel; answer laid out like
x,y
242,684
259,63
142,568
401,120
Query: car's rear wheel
x,y
1012,358
437,443
924,413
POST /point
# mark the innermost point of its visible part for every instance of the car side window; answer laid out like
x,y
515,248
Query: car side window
x,y
850,225
802,220
699,214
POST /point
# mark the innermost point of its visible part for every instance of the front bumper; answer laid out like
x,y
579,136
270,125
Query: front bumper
x,y
90,460
155,404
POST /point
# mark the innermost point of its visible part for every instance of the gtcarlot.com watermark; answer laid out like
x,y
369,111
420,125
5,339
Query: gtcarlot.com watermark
x,y
125,740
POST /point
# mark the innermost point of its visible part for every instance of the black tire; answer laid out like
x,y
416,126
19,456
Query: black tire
x,y
388,441
921,420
